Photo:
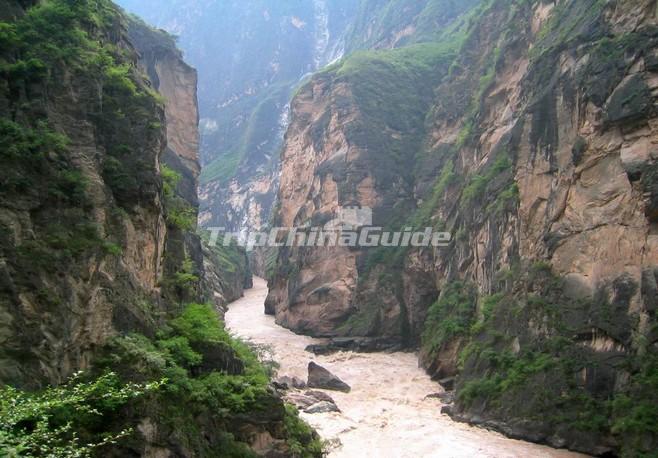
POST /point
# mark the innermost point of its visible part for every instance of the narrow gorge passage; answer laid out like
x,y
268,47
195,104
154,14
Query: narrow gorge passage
x,y
386,413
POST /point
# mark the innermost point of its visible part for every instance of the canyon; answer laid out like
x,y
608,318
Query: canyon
x,y
527,129
389,410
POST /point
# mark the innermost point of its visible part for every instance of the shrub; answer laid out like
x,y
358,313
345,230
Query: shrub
x,y
477,184
303,442
170,179
451,316
54,421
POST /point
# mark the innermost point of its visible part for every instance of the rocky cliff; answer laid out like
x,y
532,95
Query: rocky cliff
x,y
245,88
527,130
101,270
245,115
223,279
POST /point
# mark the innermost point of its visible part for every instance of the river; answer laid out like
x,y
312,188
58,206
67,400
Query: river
x,y
386,413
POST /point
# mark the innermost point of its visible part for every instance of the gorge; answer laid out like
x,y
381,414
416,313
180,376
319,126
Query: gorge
x,y
526,129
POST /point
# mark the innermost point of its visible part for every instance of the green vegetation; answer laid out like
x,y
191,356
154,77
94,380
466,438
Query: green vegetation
x,y
508,371
570,21
252,140
449,317
230,258
170,180
180,214
477,185
184,280
221,169
509,197
551,378
423,215
71,420
303,442
209,374
381,21
634,414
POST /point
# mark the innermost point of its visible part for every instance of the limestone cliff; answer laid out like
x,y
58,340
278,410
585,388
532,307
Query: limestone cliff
x,y
529,132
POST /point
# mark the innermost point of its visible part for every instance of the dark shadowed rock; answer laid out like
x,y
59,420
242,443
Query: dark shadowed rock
x,y
447,383
356,344
319,395
322,407
319,377
286,382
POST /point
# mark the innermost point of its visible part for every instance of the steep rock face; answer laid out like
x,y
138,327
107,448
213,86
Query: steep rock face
x,y
345,148
247,84
84,232
226,273
245,89
223,278
100,267
543,169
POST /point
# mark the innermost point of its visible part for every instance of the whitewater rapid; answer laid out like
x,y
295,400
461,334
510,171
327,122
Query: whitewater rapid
x,y
386,414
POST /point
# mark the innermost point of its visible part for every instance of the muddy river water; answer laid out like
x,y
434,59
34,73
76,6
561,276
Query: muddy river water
x,y
386,414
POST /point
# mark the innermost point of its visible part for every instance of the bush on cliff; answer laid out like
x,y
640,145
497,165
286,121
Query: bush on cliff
x,y
210,375
66,421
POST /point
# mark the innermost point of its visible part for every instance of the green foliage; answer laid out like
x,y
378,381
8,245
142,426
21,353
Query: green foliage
x,y
67,420
28,153
185,279
180,213
251,138
236,387
118,78
302,440
200,323
634,413
449,317
424,213
509,371
230,258
568,22
170,180
61,244
478,184
488,305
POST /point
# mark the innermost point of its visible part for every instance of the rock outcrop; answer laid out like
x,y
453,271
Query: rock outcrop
x,y
319,377
529,133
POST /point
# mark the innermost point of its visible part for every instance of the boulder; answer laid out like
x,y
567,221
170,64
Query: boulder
x,y
319,395
322,407
319,377
301,401
356,344
447,397
286,382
